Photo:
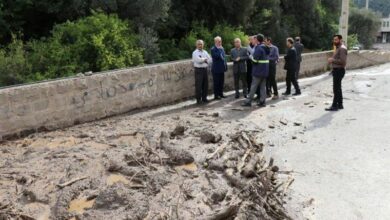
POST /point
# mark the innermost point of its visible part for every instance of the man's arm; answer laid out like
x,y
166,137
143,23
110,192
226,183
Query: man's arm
x,y
216,53
343,58
244,55
233,54
197,59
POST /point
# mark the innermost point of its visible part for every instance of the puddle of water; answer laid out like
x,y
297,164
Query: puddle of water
x,y
189,167
79,205
117,178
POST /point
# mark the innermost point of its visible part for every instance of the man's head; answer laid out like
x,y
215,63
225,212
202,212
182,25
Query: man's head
x,y
237,43
268,41
218,41
337,39
260,38
199,44
298,39
289,42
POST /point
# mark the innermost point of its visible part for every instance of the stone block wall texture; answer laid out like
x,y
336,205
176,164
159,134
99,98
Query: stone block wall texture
x,y
61,103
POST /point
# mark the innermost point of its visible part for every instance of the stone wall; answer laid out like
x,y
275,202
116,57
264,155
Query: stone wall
x,y
60,103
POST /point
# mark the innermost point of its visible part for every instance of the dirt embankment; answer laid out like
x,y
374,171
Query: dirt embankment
x,y
191,166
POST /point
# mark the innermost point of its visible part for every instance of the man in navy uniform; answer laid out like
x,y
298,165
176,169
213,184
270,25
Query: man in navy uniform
x,y
219,68
260,71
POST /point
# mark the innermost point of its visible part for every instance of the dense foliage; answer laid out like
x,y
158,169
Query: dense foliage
x,y
43,39
382,6
365,24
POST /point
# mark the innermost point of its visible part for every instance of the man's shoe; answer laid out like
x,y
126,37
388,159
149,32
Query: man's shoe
x,y
332,109
261,104
217,98
222,96
205,101
237,96
246,96
246,104
269,95
275,97
198,102
286,93
340,107
297,94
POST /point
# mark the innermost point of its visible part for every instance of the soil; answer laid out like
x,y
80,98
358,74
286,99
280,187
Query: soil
x,y
185,164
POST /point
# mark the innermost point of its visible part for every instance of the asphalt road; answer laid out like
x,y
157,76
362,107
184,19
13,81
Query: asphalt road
x,y
341,159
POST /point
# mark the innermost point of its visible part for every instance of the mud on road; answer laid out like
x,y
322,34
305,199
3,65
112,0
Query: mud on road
x,y
190,164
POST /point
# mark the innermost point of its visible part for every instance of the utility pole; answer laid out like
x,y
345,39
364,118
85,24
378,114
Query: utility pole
x,y
343,26
367,4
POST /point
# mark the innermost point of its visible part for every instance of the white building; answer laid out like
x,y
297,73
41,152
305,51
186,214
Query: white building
x,y
384,33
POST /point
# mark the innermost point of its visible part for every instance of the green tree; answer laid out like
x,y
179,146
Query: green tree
x,y
365,24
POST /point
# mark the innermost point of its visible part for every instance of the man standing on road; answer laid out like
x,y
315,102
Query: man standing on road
x,y
290,66
273,60
219,68
201,61
338,62
299,48
260,70
239,56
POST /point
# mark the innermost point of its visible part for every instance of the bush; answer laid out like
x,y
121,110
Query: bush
x,y
13,64
352,41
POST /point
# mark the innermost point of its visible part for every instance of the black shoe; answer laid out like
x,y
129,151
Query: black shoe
x,y
222,96
332,109
286,93
237,96
217,98
205,101
261,104
340,107
246,96
246,104
269,95
198,102
297,94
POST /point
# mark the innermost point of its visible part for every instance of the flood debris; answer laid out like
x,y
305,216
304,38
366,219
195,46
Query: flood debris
x,y
195,171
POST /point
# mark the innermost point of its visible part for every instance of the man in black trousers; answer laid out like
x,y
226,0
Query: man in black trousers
x,y
299,48
338,62
291,67
201,60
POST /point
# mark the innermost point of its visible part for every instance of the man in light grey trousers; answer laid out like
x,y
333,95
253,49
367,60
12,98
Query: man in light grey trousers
x,y
239,57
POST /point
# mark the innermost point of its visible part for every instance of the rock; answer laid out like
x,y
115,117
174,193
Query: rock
x,y
113,166
21,180
89,73
283,121
215,114
294,137
176,118
271,126
207,137
275,169
297,123
110,199
179,131
218,195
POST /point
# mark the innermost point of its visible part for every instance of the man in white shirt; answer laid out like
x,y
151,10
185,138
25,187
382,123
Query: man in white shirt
x,y
201,60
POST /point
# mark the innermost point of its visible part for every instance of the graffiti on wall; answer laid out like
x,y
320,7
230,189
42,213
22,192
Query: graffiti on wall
x,y
146,89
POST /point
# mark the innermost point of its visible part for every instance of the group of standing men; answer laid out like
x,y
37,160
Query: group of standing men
x,y
254,67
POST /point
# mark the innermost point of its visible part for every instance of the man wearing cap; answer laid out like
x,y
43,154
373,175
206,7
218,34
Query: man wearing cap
x,y
260,70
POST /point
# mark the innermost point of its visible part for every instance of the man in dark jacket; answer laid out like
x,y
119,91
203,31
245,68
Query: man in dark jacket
x,y
219,68
273,61
290,66
299,48
260,71
239,56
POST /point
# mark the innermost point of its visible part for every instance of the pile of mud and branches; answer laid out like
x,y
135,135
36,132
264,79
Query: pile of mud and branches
x,y
183,173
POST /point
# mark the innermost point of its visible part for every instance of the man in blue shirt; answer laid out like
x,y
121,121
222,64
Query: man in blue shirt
x,y
273,60
219,68
260,70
